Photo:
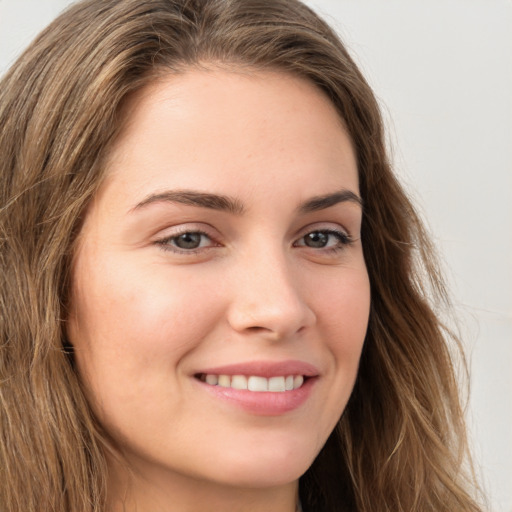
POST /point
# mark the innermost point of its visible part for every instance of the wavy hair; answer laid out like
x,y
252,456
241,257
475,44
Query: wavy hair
x,y
400,445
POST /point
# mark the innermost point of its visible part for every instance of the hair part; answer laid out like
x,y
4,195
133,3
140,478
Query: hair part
x,y
400,444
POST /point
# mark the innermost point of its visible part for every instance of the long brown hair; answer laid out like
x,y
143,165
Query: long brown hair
x,y
400,444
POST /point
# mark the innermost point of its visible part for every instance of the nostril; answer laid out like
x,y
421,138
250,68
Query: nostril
x,y
257,328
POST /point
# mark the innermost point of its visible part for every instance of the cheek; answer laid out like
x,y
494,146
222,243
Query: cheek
x,y
343,316
342,307
131,330
131,327
127,302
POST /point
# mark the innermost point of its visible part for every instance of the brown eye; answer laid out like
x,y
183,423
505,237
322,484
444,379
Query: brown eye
x,y
327,239
317,239
186,241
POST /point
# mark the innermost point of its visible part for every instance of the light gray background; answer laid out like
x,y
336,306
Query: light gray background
x,y
442,70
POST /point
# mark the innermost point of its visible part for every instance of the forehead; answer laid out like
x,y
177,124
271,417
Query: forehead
x,y
211,81
206,124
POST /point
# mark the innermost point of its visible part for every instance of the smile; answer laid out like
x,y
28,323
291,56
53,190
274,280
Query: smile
x,y
261,388
278,384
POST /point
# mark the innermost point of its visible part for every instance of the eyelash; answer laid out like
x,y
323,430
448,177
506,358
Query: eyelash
x,y
166,243
343,241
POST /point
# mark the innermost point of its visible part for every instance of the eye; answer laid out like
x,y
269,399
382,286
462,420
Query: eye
x,y
329,239
187,241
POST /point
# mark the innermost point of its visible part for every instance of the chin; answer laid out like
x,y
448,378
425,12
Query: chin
x,y
265,466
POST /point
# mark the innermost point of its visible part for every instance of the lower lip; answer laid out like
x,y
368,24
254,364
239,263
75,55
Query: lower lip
x,y
263,403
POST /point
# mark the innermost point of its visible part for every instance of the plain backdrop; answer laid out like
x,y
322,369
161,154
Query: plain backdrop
x,y
442,70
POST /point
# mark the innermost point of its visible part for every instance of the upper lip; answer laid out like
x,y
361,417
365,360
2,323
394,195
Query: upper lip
x,y
264,369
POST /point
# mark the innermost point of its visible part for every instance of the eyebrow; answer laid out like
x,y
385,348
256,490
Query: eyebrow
x,y
193,198
235,206
326,201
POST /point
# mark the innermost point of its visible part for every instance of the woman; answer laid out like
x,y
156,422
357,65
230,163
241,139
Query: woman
x,y
215,293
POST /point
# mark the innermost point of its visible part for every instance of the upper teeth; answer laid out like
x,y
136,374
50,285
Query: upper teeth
x,y
255,383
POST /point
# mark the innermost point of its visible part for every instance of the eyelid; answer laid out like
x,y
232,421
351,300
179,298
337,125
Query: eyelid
x,y
325,226
163,240
344,238
185,227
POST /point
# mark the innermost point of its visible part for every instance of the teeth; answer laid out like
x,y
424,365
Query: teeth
x,y
239,382
255,383
224,381
276,384
212,379
297,381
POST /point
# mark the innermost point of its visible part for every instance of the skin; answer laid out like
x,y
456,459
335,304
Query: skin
x,y
147,315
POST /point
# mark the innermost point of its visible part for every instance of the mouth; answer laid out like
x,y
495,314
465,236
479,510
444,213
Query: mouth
x,y
262,388
255,383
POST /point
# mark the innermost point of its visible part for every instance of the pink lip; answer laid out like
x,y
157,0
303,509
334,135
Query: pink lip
x,y
263,403
265,369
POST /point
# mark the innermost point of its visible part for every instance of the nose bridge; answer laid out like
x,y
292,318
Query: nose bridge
x,y
267,295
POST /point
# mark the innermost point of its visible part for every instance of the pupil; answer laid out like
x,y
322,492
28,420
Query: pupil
x,y
316,239
188,241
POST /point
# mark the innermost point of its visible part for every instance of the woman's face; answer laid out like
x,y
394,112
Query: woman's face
x,y
223,252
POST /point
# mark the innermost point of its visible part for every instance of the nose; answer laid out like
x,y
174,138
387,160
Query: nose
x,y
267,299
